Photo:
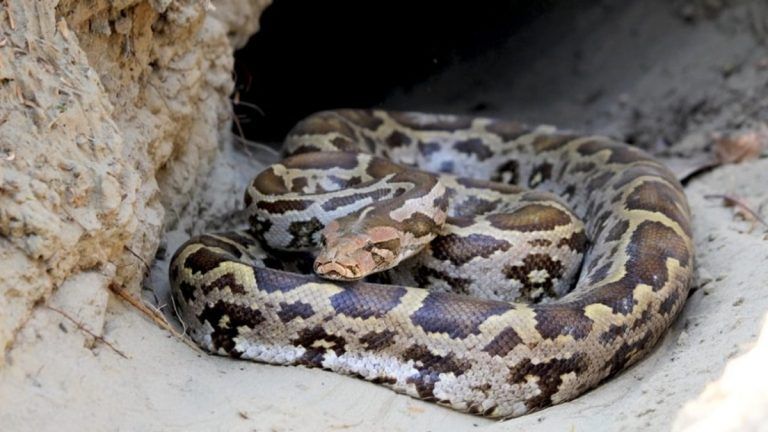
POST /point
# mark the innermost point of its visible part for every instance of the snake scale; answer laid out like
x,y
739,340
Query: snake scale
x,y
553,260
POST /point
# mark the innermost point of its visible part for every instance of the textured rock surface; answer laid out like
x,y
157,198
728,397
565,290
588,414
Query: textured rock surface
x,y
109,114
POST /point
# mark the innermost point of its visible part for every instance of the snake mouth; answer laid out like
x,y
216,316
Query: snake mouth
x,y
337,271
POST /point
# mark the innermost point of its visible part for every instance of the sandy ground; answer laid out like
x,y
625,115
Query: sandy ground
x,y
665,77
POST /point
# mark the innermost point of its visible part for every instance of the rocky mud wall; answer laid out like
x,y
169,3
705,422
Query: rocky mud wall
x,y
109,113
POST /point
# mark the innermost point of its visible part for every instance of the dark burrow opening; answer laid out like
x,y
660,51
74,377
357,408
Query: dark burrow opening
x,y
310,55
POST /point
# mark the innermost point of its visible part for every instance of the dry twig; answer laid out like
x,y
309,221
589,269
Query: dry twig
x,y
743,209
156,316
83,328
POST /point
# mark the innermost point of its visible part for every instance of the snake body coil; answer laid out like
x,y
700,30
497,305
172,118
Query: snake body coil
x,y
520,335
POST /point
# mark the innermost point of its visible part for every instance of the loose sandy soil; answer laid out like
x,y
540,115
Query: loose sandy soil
x,y
665,76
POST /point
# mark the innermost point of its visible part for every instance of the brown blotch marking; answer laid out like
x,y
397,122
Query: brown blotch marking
x,y
345,200
423,274
427,149
269,183
379,168
577,242
302,233
398,139
652,244
203,260
419,225
614,331
540,174
474,146
549,374
226,280
361,300
430,366
455,315
658,197
642,320
533,262
534,217
441,202
503,343
270,280
238,316
507,130
314,355
511,169
428,123
289,311
541,242
628,353
259,226
362,118
460,250
668,305
559,320
377,341
390,245
299,183
545,143
617,230
283,206
186,291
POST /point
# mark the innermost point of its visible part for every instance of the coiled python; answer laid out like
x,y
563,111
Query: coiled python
x,y
349,185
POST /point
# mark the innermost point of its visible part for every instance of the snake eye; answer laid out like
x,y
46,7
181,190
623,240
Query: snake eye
x,y
368,247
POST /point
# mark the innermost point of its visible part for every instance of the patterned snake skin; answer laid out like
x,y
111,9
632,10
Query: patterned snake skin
x,y
527,306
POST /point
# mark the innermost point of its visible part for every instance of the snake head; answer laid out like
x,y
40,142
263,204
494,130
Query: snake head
x,y
352,256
